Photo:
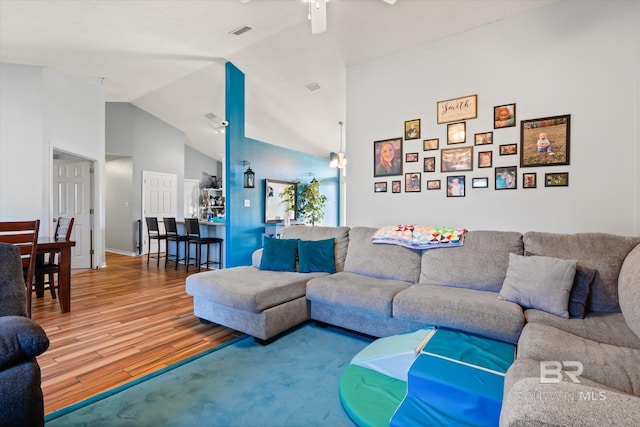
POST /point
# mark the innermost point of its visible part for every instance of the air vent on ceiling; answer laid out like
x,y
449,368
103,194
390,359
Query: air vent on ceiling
x,y
312,87
210,116
240,30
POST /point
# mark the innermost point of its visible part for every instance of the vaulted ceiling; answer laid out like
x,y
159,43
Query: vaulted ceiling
x,y
167,57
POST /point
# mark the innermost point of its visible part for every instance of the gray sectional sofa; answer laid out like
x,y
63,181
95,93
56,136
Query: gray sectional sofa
x,y
382,290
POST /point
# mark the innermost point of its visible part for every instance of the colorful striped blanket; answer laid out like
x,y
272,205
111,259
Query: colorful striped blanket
x,y
420,236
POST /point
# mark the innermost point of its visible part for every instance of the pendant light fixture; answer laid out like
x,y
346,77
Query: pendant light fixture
x,y
338,160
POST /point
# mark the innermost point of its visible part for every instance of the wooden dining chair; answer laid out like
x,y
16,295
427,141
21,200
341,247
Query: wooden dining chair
x,y
49,267
23,234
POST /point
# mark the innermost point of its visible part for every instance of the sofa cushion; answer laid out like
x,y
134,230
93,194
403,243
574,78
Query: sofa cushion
x,y
356,291
248,288
380,261
531,403
607,328
20,339
481,263
615,367
279,254
539,282
629,290
478,312
580,292
603,252
341,234
316,256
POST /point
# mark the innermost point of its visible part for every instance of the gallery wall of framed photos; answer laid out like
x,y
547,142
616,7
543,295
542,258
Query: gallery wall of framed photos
x,y
464,161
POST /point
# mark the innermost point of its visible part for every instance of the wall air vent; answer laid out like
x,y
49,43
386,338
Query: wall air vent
x,y
312,87
240,30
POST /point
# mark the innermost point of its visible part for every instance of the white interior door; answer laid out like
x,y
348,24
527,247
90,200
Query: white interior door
x,y
72,198
159,199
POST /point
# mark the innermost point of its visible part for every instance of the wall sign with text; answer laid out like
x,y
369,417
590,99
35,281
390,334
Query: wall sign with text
x,y
458,109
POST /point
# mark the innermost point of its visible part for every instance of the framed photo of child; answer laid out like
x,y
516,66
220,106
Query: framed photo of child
x,y
504,116
380,187
412,182
433,184
429,164
506,178
412,129
529,180
430,144
545,141
455,186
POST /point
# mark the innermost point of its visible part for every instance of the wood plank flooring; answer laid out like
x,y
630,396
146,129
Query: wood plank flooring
x,y
127,320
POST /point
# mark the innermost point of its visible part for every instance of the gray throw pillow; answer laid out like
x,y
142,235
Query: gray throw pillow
x,y
579,298
539,282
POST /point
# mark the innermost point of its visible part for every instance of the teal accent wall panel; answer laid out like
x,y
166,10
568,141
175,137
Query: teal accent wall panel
x,y
245,225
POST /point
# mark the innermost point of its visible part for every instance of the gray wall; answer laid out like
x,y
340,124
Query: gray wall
x,y
137,142
573,57
195,163
119,202
42,110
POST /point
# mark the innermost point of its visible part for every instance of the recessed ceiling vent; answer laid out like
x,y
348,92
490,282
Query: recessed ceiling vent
x,y
240,30
312,87
210,116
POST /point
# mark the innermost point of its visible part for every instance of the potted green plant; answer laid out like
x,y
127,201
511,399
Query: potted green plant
x,y
288,198
309,202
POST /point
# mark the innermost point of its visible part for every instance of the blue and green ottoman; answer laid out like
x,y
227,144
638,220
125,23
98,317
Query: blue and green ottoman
x,y
455,379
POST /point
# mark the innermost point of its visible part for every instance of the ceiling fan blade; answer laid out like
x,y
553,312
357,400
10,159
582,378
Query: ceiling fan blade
x,y
318,14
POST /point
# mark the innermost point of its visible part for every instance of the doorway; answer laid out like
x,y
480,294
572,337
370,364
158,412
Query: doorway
x,y
159,199
72,196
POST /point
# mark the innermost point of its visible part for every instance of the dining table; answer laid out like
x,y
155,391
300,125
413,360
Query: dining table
x,y
50,245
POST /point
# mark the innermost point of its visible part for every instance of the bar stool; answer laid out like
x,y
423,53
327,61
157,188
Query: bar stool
x,y
153,232
193,232
172,236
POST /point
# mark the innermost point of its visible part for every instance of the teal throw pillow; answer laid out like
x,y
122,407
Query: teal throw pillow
x,y
316,256
279,254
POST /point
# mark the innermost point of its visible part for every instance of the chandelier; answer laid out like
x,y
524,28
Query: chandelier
x,y
338,160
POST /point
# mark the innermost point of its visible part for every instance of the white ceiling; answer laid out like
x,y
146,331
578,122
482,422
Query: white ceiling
x,y
167,57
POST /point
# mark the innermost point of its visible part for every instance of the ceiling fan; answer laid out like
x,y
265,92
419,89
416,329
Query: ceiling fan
x,y
318,14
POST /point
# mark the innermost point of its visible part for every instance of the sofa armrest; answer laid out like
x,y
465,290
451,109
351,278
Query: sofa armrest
x,y
530,403
20,339
256,257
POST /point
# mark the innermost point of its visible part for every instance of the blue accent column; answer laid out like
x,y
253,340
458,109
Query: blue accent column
x,y
245,225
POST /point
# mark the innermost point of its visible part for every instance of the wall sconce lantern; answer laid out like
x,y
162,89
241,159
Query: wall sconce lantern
x,y
249,176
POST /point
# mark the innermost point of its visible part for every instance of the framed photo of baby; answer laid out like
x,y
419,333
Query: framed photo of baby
x,y
545,141
412,129
387,157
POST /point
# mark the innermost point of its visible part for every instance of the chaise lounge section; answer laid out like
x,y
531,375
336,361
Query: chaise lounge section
x,y
261,303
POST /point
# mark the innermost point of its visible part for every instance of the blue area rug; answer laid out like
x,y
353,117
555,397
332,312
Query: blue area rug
x,y
291,382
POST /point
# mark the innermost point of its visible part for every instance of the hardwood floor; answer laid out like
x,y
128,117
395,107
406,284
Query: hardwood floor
x,y
126,321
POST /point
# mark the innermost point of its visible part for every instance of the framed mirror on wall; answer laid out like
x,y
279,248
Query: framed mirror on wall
x,y
275,205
